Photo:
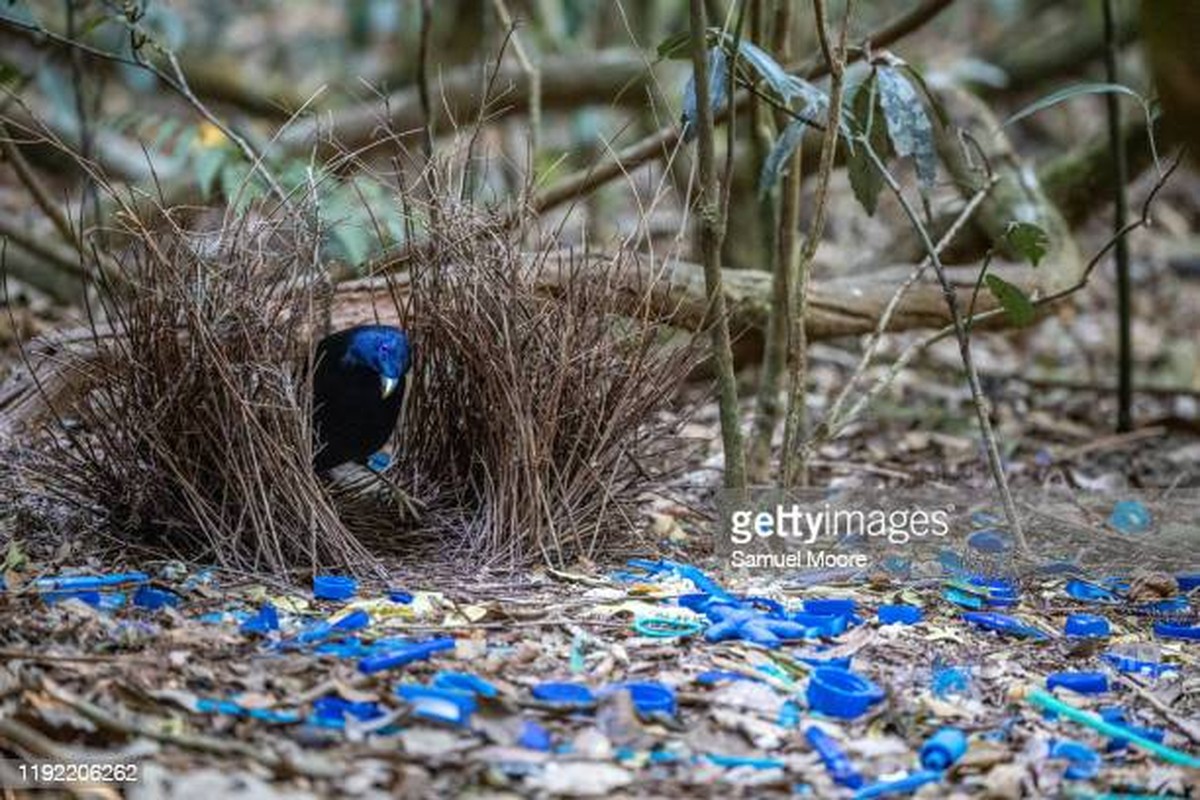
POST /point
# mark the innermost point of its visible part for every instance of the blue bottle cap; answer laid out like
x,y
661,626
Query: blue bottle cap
x,y
649,697
900,614
564,693
841,693
334,587
943,748
1087,626
1080,682
440,705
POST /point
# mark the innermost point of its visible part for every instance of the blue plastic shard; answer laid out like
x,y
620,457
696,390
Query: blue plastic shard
x,y
534,737
464,682
77,583
836,762
1130,516
900,614
406,654
440,705
264,622
906,785
1082,761
1002,623
154,599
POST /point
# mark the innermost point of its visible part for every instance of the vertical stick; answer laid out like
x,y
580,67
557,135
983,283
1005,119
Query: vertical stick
x,y
783,256
712,231
1116,142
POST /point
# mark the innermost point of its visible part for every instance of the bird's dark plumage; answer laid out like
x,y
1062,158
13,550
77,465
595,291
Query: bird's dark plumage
x,y
358,386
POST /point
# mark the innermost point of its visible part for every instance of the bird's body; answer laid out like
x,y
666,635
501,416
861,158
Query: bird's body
x,y
358,388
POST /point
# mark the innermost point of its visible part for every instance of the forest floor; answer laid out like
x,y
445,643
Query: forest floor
x,y
181,672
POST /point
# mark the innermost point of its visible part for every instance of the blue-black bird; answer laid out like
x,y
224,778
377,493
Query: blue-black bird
x,y
358,386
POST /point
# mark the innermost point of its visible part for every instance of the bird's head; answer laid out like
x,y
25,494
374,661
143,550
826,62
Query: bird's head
x,y
382,349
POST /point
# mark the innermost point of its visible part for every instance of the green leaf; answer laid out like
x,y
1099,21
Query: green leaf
x,y
1015,302
1068,92
784,146
1029,240
15,558
865,179
907,123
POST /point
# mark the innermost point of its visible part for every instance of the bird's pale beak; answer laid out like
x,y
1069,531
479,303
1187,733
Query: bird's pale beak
x,y
389,385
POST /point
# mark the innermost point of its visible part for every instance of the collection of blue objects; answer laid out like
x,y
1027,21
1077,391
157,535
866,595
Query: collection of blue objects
x,y
833,689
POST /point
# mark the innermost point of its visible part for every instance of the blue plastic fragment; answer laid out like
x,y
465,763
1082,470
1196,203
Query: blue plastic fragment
x,y
1188,583
440,705
334,587
321,630
836,762
264,622
900,614
992,541
1172,606
153,599
111,601
945,747
906,785
1083,761
1089,592
378,462
76,583
949,680
1124,663
649,697
730,622
464,682
1115,715
1002,623
1177,630
1087,626
405,654
831,606
232,708
564,693
963,598
331,711
841,693
534,737
89,596
1079,682
1130,516
731,762
789,714
400,596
